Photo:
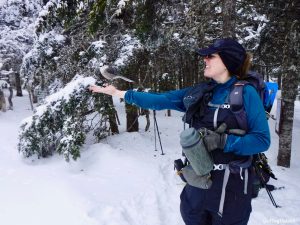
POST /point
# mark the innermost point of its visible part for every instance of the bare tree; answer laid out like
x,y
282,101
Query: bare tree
x,y
10,98
2,101
289,79
18,85
229,18
112,116
132,118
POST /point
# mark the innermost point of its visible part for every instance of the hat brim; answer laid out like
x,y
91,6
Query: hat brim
x,y
206,51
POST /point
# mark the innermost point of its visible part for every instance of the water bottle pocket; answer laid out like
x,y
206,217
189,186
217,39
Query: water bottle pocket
x,y
195,151
203,182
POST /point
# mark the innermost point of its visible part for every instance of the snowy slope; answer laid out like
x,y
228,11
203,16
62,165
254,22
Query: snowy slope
x,y
120,181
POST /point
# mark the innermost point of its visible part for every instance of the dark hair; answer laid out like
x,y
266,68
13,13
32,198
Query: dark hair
x,y
243,70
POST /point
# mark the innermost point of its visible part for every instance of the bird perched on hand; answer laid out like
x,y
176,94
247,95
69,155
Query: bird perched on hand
x,y
111,73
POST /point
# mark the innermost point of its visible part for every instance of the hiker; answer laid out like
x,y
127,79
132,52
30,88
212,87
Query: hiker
x,y
226,198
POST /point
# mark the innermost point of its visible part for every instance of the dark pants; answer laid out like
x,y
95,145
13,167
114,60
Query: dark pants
x,y
200,206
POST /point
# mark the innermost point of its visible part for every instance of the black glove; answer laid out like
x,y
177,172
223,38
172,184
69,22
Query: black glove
x,y
215,139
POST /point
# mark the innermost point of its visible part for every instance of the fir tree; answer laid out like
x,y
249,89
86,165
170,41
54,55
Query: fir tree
x,y
62,123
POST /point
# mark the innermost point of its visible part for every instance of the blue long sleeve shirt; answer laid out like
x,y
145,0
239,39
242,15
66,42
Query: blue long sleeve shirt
x,y
257,138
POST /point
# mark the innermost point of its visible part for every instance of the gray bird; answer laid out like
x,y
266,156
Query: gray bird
x,y
111,73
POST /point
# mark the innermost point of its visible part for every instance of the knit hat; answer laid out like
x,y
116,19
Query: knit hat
x,y
231,52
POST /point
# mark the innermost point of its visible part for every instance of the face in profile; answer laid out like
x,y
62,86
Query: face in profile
x,y
214,66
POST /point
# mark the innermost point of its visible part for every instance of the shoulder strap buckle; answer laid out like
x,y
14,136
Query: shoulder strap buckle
x,y
225,106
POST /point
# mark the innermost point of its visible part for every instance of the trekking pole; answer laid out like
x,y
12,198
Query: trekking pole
x,y
263,182
271,197
154,130
155,125
269,115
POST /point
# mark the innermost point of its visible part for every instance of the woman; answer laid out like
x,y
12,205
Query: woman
x,y
228,200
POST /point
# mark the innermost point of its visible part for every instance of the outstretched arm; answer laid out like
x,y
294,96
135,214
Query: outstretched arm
x,y
155,101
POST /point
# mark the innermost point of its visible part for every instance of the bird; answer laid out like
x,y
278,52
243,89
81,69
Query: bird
x,y
111,73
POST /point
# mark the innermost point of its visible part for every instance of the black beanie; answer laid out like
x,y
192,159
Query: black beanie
x,y
231,52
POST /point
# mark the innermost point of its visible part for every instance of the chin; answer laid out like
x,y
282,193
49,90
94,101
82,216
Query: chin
x,y
208,75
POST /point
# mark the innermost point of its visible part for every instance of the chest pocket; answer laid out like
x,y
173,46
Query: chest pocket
x,y
196,99
213,117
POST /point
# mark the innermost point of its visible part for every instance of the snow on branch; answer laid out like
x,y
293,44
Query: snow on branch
x,y
128,45
58,125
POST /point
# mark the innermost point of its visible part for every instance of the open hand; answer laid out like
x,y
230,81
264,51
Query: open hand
x,y
109,90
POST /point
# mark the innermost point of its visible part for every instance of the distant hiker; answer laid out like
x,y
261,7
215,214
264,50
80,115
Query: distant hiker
x,y
230,137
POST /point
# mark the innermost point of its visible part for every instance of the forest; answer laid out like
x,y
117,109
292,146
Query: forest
x,y
53,49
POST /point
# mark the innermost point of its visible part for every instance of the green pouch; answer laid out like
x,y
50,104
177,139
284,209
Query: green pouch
x,y
195,151
203,182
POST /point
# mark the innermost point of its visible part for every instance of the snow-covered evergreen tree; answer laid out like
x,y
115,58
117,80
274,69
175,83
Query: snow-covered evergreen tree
x,y
16,34
63,121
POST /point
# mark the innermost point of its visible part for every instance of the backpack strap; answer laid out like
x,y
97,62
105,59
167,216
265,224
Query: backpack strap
x,y
217,106
236,102
236,96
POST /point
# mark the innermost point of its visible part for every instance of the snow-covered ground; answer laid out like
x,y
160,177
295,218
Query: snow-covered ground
x,y
120,181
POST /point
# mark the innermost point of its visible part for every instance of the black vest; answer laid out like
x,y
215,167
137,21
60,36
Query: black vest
x,y
199,114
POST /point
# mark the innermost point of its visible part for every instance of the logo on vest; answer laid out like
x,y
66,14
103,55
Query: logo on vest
x,y
225,106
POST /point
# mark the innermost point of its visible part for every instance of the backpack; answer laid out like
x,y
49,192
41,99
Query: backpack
x,y
270,95
266,91
263,172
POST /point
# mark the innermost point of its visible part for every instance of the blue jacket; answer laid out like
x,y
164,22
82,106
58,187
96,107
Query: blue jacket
x,y
257,138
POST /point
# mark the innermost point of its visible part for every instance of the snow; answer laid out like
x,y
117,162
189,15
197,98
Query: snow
x,y
129,44
3,84
43,13
52,34
2,2
176,36
60,38
16,34
67,91
120,181
165,76
122,3
98,46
